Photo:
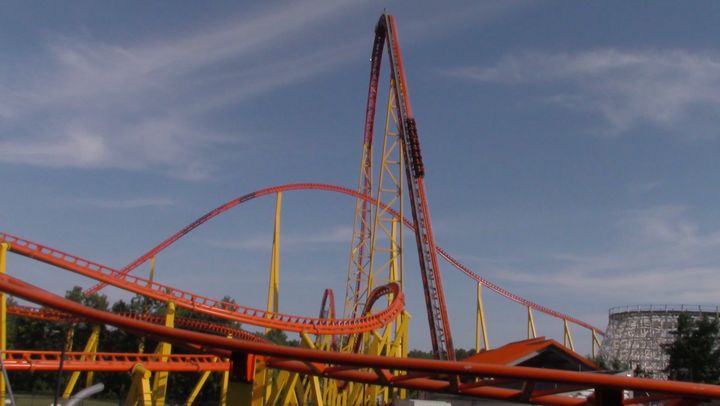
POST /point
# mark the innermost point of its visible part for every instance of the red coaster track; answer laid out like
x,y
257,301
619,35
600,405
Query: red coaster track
x,y
481,380
54,257
441,375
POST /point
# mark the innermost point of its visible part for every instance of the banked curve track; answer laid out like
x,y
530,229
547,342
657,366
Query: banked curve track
x,y
349,192
206,305
181,322
485,380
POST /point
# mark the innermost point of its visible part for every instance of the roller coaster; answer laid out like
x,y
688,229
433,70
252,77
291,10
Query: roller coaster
x,y
360,357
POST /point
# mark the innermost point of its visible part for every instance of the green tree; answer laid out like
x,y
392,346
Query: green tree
x,y
460,353
609,364
279,337
28,333
694,354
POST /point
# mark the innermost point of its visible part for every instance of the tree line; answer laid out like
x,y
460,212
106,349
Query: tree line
x,y
693,354
34,334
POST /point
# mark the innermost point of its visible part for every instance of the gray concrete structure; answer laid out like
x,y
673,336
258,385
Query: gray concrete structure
x,y
636,334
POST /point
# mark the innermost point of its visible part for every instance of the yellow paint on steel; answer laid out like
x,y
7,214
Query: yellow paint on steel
x,y
313,381
291,388
390,192
595,343
90,347
239,393
3,316
69,336
224,383
151,276
274,283
532,333
357,263
197,388
386,254
278,387
567,337
481,335
159,388
262,386
93,350
139,393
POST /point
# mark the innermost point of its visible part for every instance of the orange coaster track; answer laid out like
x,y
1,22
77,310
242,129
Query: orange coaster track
x,y
182,322
122,279
478,379
203,304
47,361
512,383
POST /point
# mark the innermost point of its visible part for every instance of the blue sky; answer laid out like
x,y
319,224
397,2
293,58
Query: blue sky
x,y
569,147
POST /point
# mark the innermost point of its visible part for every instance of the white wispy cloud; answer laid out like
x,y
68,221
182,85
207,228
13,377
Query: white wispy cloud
x,y
668,89
133,203
77,149
147,103
662,255
92,104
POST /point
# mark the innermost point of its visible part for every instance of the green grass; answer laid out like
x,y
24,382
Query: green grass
x,y
29,399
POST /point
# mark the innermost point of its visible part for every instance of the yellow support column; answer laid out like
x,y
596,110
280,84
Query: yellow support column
x,y
315,389
198,387
274,285
261,390
139,392
290,397
567,338
224,383
263,387
531,324
240,382
90,347
141,345
159,388
278,386
3,317
91,374
401,348
69,337
480,326
595,343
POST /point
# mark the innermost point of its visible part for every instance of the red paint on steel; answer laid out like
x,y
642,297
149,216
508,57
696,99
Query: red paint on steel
x,y
203,304
180,322
438,319
328,188
366,174
41,361
327,306
345,366
327,310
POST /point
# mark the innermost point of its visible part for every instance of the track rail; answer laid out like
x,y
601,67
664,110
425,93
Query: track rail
x,y
45,361
203,304
438,319
348,192
319,187
180,322
429,375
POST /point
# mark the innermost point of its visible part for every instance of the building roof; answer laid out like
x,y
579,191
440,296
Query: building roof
x,y
530,352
